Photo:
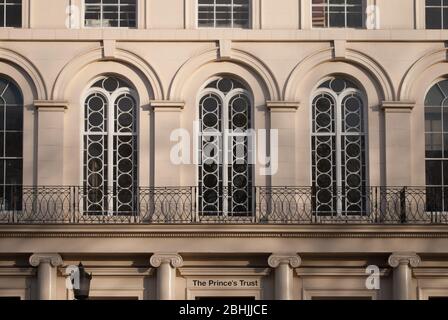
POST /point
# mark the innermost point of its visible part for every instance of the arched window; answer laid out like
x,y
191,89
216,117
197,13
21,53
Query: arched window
x,y
11,145
339,149
225,172
110,148
436,137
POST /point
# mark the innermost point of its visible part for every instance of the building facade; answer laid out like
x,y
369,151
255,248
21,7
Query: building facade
x,y
106,107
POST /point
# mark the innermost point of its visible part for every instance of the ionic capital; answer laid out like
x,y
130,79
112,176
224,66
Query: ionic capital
x,y
407,258
174,259
291,259
52,258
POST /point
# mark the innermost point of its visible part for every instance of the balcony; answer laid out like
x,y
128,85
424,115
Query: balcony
x,y
181,205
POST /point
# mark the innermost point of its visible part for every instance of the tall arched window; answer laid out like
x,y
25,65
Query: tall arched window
x,y
110,148
11,145
338,148
436,137
225,172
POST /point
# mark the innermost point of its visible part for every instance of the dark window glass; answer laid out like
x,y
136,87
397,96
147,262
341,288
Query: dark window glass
x,y
11,142
436,144
224,13
338,13
11,13
110,13
436,14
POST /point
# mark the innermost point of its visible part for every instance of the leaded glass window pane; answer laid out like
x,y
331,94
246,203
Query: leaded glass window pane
x,y
225,171
110,13
110,148
339,149
11,145
224,13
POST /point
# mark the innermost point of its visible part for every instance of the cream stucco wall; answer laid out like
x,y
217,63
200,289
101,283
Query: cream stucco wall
x,y
167,60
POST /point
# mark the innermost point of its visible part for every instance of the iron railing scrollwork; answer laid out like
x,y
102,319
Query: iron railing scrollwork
x,y
179,205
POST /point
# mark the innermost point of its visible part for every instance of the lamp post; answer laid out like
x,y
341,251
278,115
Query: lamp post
x,y
81,292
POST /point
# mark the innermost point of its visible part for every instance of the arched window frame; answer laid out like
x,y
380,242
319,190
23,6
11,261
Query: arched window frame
x,y
338,133
437,194
111,99
225,135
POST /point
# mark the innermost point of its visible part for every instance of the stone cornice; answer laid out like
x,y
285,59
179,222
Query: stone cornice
x,y
223,231
113,271
204,271
166,105
407,258
282,105
292,259
174,259
137,35
50,105
17,271
53,258
397,106
361,272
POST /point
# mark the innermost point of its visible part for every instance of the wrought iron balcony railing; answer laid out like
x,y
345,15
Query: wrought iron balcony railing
x,y
181,205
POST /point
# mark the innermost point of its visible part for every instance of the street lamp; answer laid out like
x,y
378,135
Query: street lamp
x,y
82,293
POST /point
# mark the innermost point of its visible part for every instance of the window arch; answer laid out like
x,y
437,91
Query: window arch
x,y
436,141
339,157
110,148
11,144
225,169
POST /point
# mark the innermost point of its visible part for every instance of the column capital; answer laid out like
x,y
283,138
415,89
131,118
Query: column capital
x,y
282,106
54,259
292,259
174,259
166,105
50,105
407,258
397,106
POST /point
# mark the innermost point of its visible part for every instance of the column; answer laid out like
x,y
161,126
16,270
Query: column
x,y
166,273
50,136
283,263
283,119
398,146
46,264
403,262
167,118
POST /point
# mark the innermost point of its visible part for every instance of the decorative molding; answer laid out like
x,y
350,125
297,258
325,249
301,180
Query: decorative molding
x,y
17,271
50,105
408,258
113,271
53,258
282,105
397,106
225,49
199,234
109,46
337,272
292,259
430,272
207,271
166,105
174,259
339,49
292,231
